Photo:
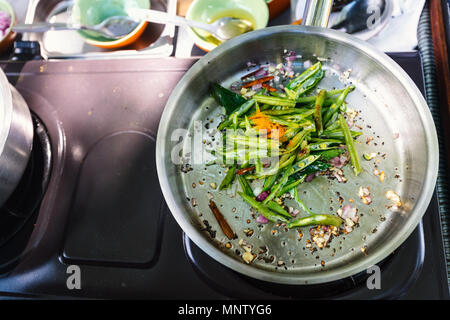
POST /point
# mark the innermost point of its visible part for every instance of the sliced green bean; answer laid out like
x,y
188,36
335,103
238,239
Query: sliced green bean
x,y
313,218
295,83
302,164
270,181
318,111
291,185
246,188
335,107
329,154
318,146
316,219
274,101
272,205
277,187
329,102
239,112
228,179
338,134
262,209
309,84
296,141
354,157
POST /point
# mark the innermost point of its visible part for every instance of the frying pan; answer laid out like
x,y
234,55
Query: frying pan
x,y
392,112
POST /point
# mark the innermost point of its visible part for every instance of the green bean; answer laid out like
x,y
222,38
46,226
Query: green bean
x,y
321,140
239,112
262,209
338,134
284,162
252,142
296,141
313,218
244,154
318,111
289,134
292,124
302,164
270,181
329,154
258,166
311,71
322,146
298,117
228,179
317,166
291,185
308,84
272,205
274,101
327,102
289,111
335,107
278,94
277,187
316,219
246,188
333,124
283,122
354,157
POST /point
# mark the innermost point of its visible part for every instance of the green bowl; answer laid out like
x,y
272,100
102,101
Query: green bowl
x,y
254,11
92,12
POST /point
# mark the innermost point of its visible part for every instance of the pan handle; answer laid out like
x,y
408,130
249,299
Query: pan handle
x,y
317,13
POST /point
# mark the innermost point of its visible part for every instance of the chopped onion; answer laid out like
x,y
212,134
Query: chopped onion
x,y
310,177
261,73
261,219
336,161
349,212
307,64
262,196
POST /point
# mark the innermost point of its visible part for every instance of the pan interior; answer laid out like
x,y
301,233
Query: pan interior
x,y
393,127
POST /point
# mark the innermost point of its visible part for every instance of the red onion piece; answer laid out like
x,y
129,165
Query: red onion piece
x,y
336,161
261,219
310,177
262,196
349,212
261,73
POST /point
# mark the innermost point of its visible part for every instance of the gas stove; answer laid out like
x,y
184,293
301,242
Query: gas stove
x,y
101,209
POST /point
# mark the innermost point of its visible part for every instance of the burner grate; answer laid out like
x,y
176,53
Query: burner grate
x,y
18,214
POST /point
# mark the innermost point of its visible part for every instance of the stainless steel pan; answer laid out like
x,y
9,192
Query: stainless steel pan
x,y
393,113
16,137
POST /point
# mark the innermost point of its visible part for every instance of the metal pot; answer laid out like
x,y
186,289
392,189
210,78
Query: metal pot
x,y
391,104
16,137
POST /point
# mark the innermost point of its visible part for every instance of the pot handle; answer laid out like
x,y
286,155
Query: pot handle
x,y
317,13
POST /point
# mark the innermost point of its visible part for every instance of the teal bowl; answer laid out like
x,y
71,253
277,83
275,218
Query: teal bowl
x,y
93,12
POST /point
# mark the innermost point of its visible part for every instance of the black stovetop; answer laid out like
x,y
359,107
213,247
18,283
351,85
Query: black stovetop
x,y
104,211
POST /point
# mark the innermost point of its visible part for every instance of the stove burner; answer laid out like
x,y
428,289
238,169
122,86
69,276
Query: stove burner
x,y
15,216
239,286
